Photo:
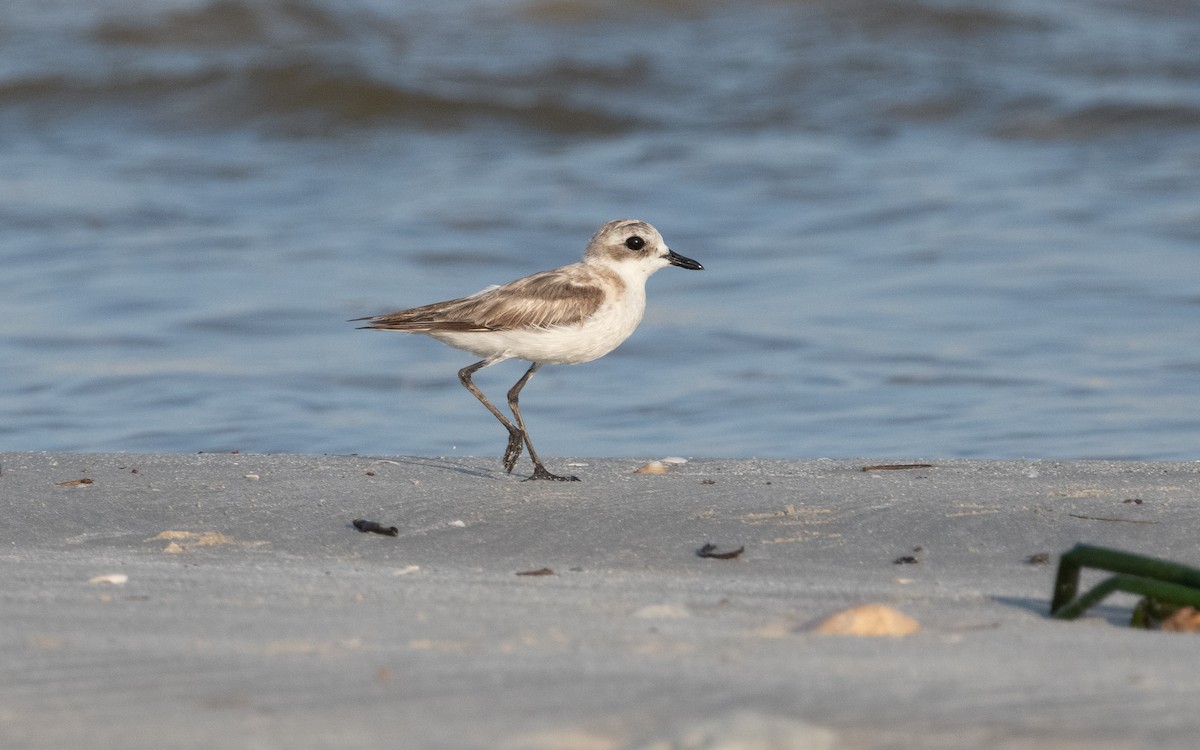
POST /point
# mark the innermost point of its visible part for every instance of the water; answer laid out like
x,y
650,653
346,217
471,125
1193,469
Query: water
x,y
930,229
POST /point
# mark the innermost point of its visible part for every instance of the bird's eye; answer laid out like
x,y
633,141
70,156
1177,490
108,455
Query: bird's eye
x,y
635,243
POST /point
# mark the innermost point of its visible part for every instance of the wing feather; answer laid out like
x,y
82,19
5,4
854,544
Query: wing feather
x,y
562,297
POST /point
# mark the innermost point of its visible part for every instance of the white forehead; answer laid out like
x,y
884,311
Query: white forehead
x,y
622,229
609,243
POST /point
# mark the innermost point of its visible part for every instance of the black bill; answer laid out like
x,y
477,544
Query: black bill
x,y
676,259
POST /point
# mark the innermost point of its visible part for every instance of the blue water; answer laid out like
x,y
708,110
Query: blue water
x,y
934,229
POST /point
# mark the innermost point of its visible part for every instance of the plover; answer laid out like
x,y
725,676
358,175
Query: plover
x,y
566,316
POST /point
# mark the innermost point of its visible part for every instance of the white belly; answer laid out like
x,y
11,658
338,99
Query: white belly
x,y
561,345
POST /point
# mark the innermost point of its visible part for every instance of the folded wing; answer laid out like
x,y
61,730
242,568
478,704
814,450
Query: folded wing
x,y
563,297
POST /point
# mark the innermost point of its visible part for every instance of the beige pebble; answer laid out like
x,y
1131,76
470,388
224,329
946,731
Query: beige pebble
x,y
665,611
1183,620
654,467
868,620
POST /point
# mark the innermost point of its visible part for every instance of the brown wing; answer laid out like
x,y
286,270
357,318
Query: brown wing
x,y
565,296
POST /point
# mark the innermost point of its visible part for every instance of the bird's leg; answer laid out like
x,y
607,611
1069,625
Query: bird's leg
x,y
515,434
539,471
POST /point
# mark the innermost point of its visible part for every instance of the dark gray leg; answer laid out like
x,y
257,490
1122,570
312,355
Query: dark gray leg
x,y
515,434
539,471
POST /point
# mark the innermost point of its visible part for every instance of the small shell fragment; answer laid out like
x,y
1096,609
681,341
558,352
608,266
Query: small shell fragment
x,y
116,579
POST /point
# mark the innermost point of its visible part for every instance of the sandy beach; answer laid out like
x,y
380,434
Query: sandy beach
x,y
227,600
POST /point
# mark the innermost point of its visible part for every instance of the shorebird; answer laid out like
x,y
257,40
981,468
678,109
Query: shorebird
x,y
565,316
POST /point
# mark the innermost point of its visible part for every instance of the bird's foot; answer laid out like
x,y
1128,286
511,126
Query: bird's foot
x,y
516,441
539,472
